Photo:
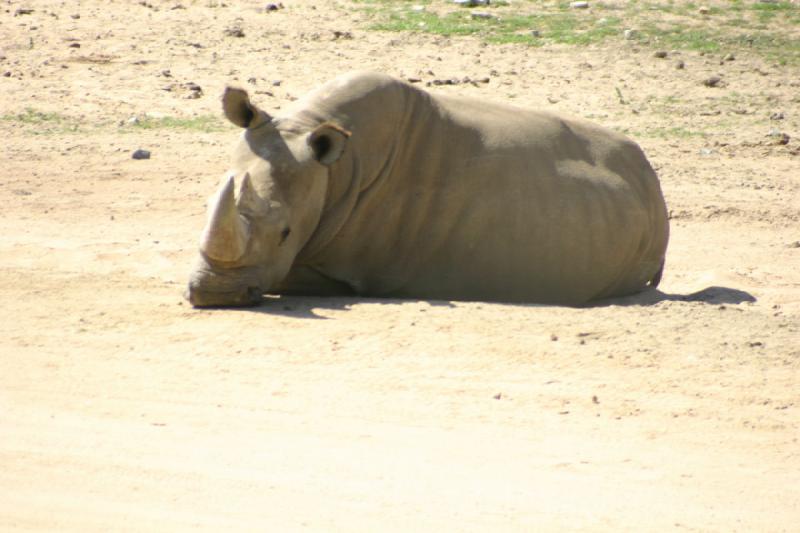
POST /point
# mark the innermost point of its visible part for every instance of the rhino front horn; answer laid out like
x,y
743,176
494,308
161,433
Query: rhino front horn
x,y
227,232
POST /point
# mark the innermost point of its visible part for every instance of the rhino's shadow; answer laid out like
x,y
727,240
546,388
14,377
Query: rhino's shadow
x,y
304,306
710,295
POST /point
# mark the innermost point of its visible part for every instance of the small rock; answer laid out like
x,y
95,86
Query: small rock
x,y
7,74
342,35
704,10
535,33
472,3
713,81
778,137
273,7
498,396
795,244
234,32
728,57
661,54
276,83
481,15
777,116
141,154
23,11
680,65
579,5
595,400
630,34
414,80
75,45
553,337
166,73
75,16
133,121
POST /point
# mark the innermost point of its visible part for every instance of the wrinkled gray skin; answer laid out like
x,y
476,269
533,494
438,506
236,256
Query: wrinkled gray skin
x,y
371,186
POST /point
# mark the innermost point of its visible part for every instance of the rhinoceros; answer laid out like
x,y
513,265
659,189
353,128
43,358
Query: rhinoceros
x,y
370,186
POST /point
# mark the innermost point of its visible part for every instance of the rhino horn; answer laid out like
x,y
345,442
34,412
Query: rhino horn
x,y
227,232
248,201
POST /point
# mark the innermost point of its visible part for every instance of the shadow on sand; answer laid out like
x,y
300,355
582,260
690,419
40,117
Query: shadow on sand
x,y
304,306
710,295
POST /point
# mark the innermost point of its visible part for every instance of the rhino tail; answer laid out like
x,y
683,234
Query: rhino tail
x,y
656,279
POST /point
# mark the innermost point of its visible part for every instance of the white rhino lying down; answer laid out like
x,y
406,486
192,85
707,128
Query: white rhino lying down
x,y
370,186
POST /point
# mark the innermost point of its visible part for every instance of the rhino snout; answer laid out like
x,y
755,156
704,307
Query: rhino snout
x,y
246,297
209,289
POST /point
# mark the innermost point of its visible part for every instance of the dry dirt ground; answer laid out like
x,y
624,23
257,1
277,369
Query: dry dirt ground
x,y
122,408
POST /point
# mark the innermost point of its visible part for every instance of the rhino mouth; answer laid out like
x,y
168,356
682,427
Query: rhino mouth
x,y
246,297
211,288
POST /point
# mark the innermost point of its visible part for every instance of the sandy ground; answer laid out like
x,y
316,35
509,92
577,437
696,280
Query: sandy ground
x,y
122,408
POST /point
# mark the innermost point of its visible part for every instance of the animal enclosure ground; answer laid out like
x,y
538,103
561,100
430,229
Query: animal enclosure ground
x,y
122,408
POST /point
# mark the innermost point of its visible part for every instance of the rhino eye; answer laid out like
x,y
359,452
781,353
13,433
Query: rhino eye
x,y
284,234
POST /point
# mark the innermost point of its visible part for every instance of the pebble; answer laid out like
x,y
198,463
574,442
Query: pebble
x,y
704,10
777,116
141,154
680,65
630,34
234,32
713,81
778,136
728,57
535,33
273,7
472,3
661,54
481,15
579,5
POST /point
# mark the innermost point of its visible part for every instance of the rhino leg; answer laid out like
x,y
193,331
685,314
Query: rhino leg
x,y
656,279
307,281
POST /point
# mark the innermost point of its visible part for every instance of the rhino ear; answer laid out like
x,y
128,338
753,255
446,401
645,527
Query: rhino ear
x,y
328,142
239,110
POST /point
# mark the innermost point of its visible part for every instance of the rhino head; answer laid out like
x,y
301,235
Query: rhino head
x,y
266,208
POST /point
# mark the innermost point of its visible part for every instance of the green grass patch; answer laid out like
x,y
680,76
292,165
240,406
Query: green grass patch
x,y
505,26
37,122
676,132
768,29
202,123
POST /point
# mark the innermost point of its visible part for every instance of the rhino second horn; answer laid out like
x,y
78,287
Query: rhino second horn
x,y
227,232
248,201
